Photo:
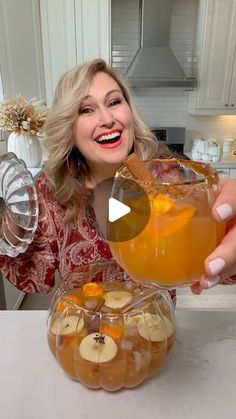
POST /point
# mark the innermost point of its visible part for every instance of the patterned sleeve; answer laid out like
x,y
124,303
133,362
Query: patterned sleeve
x,y
33,271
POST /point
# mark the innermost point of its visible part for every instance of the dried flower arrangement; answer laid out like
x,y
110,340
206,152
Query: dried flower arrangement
x,y
22,116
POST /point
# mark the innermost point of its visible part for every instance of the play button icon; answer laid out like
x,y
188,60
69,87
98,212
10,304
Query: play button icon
x,y
117,210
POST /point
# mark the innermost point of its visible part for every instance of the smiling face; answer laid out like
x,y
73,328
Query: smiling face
x,y
103,130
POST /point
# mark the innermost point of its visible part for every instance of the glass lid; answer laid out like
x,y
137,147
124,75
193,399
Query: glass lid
x,y
18,206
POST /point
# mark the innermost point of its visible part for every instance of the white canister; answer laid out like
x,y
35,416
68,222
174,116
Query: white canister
x,y
227,145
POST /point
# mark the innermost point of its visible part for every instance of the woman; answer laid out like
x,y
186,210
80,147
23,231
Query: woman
x,y
91,129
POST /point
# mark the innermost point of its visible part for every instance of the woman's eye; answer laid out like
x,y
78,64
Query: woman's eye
x,y
85,110
115,102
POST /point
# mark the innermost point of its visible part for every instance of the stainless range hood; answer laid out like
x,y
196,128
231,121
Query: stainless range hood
x,y
154,64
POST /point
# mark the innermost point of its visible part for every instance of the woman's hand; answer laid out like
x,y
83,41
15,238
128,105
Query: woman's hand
x,y
220,265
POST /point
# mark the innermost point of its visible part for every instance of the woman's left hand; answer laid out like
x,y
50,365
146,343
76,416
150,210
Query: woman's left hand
x,y
220,265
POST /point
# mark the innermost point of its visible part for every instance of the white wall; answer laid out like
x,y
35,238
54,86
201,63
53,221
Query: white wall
x,y
1,88
166,106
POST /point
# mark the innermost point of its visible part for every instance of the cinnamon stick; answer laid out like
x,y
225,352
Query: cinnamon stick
x,y
137,169
100,304
94,322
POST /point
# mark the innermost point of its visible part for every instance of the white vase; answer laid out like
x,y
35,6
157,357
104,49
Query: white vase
x,y
26,147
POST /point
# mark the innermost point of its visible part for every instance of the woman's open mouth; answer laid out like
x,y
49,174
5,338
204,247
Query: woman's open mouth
x,y
110,140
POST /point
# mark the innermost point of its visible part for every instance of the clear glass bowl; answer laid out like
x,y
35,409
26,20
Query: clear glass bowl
x,y
108,332
180,231
18,206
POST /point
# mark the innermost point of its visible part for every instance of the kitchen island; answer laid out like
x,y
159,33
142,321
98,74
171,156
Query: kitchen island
x,y
198,380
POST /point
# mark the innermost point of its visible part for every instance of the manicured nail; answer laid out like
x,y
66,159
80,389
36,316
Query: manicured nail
x,y
224,211
197,288
211,282
216,266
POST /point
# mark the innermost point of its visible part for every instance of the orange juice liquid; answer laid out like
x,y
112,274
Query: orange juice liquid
x,y
172,247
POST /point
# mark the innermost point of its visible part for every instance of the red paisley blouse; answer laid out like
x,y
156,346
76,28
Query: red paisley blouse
x,y
56,246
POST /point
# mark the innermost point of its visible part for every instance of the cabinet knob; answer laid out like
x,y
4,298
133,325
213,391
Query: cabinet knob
x,y
232,105
226,104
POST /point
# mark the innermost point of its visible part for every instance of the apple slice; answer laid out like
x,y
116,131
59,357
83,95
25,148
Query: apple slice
x,y
98,348
68,325
117,299
151,327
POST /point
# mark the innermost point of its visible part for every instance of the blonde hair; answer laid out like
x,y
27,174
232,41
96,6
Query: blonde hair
x,y
65,163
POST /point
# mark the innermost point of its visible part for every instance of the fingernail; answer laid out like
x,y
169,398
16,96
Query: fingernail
x,y
211,282
197,288
224,211
216,265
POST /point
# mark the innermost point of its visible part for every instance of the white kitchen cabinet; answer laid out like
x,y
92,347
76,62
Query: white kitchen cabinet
x,y
233,173
216,92
21,54
73,31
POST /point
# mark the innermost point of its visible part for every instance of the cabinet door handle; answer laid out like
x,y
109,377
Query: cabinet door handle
x,y
226,104
232,105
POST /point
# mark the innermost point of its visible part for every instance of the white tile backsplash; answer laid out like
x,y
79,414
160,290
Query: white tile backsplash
x,y
183,29
166,106
125,32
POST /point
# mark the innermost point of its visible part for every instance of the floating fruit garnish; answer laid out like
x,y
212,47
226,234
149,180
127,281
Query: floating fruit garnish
x,y
63,303
162,204
117,299
98,348
92,290
177,220
115,331
154,328
67,326
167,219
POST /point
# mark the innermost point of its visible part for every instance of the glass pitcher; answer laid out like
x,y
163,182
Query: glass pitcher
x,y
179,232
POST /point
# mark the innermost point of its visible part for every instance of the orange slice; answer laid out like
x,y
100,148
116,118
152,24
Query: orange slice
x,y
63,303
115,331
161,204
168,220
171,224
92,290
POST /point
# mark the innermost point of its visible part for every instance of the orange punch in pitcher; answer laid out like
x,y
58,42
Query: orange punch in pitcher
x,y
180,231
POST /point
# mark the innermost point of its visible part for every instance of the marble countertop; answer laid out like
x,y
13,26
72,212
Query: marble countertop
x,y
198,380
